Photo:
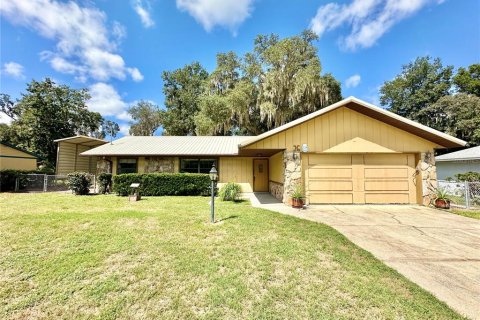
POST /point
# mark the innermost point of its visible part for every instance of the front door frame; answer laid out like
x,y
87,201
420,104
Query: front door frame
x,y
266,173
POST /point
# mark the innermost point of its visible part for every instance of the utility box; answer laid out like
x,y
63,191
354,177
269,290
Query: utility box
x,y
135,193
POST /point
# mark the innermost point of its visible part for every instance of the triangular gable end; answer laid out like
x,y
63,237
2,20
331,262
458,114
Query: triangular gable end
x,y
309,127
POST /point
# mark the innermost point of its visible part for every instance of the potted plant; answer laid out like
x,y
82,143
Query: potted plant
x,y
441,199
297,196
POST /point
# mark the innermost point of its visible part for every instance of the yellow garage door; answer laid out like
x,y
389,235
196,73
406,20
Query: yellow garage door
x,y
360,178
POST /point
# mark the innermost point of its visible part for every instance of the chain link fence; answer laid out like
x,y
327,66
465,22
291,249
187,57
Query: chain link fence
x,y
46,183
462,194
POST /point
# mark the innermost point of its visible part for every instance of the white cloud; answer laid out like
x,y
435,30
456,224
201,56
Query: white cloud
x,y
229,14
353,81
14,70
125,129
369,19
135,73
106,100
5,119
85,47
142,8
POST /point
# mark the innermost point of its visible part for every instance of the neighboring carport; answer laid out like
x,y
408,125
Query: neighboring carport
x,y
68,154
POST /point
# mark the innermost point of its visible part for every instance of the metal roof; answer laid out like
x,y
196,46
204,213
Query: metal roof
x,y
169,146
83,140
373,111
466,154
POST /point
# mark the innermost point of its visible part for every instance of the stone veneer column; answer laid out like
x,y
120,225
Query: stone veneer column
x,y
292,175
104,166
428,173
159,164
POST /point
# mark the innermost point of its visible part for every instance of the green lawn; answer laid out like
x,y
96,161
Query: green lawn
x,y
72,257
475,214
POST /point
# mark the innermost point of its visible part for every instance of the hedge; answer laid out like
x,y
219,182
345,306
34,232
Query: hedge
x,y
8,177
79,182
163,184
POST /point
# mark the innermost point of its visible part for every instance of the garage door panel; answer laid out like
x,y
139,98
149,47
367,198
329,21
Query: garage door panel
x,y
400,198
386,173
386,185
360,178
386,159
331,198
330,185
330,159
330,173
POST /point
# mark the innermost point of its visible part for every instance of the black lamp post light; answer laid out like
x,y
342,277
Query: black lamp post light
x,y
213,178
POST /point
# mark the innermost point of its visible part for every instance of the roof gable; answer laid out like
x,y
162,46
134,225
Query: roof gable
x,y
466,154
374,112
20,149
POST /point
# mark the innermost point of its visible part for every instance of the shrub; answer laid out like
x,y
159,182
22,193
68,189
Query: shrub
x,y
8,178
105,182
468,176
163,184
79,182
230,192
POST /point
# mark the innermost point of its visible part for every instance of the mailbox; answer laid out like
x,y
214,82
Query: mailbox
x,y
135,193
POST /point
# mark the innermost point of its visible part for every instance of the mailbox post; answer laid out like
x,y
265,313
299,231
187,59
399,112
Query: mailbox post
x,y
135,194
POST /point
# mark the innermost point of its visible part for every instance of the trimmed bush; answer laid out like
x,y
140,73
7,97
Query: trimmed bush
x,y
79,182
468,176
230,192
105,182
8,177
163,184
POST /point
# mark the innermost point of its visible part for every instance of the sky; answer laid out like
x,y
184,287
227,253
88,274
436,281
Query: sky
x,y
119,49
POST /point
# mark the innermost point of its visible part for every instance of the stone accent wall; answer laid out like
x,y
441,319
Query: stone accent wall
x,y
159,164
293,173
276,189
428,172
103,166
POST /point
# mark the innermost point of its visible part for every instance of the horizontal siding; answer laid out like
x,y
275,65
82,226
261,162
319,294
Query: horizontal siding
x,y
18,164
345,131
7,151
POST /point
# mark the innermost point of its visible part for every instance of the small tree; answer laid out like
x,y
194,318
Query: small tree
x,y
111,128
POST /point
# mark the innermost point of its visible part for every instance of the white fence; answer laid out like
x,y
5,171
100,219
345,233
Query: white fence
x,y
462,194
45,183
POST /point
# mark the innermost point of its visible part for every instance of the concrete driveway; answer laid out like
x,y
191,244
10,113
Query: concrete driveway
x,y
437,250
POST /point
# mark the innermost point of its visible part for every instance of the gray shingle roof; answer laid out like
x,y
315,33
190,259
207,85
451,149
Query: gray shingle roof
x,y
467,154
169,146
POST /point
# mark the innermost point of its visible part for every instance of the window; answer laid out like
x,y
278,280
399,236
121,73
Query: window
x,y
197,165
128,165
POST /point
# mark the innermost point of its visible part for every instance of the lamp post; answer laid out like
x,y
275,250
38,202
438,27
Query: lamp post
x,y
213,177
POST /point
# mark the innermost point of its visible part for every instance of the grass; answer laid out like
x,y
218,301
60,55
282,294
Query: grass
x,y
72,257
475,214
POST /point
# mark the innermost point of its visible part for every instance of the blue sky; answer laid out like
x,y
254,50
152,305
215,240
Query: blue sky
x,y
119,49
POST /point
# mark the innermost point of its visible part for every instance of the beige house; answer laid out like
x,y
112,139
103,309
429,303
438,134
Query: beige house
x,y
14,158
349,152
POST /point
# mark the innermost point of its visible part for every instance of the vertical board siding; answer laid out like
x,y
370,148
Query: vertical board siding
x,y
275,168
345,126
238,170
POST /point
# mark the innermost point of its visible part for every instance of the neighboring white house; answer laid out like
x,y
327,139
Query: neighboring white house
x,y
450,164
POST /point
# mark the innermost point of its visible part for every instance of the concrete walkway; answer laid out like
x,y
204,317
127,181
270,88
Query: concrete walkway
x,y
437,250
